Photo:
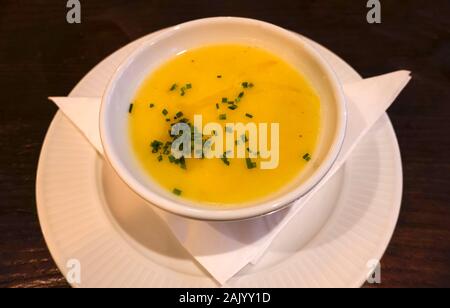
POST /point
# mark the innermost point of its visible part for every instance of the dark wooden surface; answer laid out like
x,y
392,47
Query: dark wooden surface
x,y
42,55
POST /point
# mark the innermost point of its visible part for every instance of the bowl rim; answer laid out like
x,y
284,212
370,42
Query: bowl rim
x,y
230,214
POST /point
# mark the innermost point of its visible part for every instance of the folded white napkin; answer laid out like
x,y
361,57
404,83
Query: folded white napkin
x,y
224,248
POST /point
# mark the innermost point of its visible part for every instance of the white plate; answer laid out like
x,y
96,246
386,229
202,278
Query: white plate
x,y
88,214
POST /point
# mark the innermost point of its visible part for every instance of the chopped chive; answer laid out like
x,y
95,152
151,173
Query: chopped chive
x,y
225,159
177,192
238,99
156,146
307,157
160,158
245,84
182,161
179,114
217,106
165,112
173,87
152,105
248,115
183,89
224,99
172,158
167,120
250,85
166,148
219,76
232,107
250,164
188,86
223,116
130,109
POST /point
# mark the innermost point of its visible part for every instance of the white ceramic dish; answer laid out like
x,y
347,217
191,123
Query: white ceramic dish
x,y
80,205
150,55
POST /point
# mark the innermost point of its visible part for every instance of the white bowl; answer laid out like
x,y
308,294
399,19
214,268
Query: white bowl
x,y
287,45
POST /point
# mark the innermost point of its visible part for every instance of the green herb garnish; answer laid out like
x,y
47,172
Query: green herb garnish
x,y
232,107
172,158
225,159
307,157
152,105
240,96
219,76
156,146
182,162
248,115
165,112
217,106
185,88
250,164
177,191
166,148
224,100
223,116
160,158
173,87
245,85
130,109
179,114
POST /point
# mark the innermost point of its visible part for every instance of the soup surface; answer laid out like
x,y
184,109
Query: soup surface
x,y
224,84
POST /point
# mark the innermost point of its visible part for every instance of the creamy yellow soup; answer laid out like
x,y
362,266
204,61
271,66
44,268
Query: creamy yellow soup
x,y
225,84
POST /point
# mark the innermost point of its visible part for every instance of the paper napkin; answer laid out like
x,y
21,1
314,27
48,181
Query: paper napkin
x,y
224,248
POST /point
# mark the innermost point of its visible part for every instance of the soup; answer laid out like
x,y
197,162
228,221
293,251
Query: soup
x,y
225,84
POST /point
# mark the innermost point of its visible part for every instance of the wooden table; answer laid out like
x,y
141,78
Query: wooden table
x,y
41,55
